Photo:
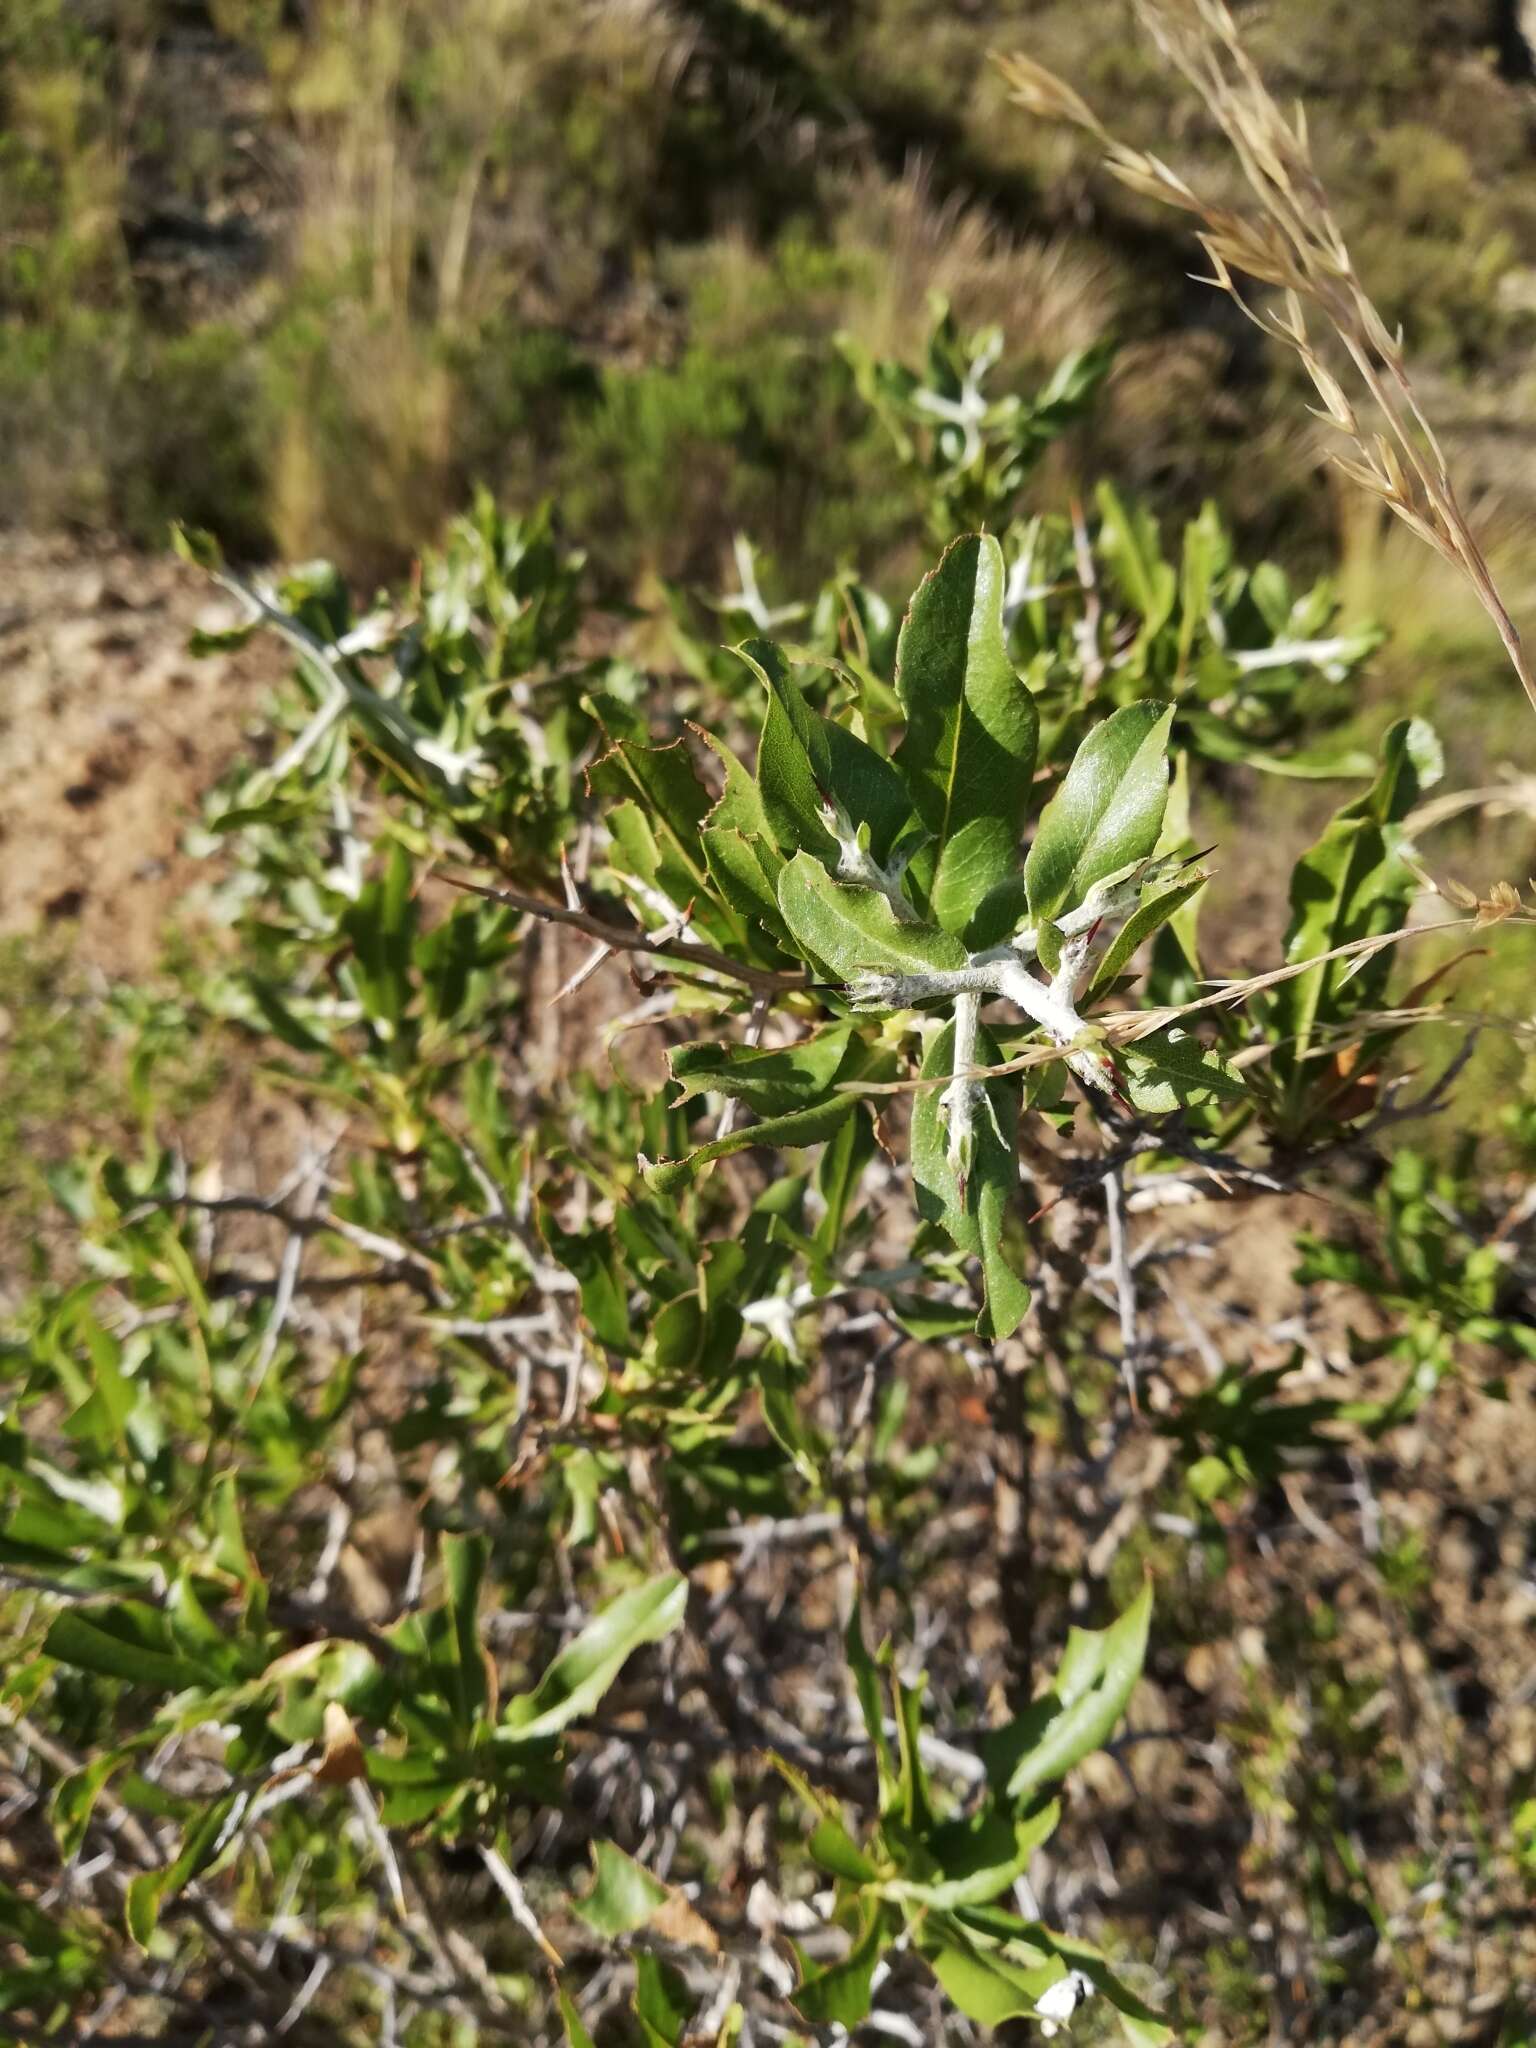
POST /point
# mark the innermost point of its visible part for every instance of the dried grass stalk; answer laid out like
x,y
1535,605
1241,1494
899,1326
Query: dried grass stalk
x,y
1291,240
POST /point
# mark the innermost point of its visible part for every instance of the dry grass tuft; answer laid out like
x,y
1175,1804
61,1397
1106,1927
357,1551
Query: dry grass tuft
x,y
1290,240
1049,296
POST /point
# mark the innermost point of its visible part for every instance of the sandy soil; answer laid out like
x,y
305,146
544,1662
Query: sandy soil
x,y
109,732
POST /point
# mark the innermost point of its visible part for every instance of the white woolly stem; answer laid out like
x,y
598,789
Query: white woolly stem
x,y
958,1102
856,864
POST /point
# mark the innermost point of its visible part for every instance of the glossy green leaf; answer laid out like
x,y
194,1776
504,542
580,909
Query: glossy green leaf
x,y
986,1985
1107,814
972,728
980,1859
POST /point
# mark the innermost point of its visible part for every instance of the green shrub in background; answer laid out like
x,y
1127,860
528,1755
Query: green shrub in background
x,y
371,218
645,1375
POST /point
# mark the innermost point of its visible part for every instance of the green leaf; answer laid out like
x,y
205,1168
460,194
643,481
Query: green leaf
x,y
1172,1070
1353,884
1138,2022
850,928
1132,549
624,1895
148,1892
675,803
987,1986
662,2004
746,873
771,1080
463,1559
129,1642
810,1126
1096,1677
1148,918
196,546
969,751
836,1851
592,1257
576,2035
381,927
141,1906
996,1967
75,1795
973,1210
1207,557
805,762
841,1996
1107,814
1218,740
867,1686
838,1174
914,1806
980,1859
582,1673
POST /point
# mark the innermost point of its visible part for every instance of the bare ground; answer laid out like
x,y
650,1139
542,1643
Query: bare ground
x,y
109,732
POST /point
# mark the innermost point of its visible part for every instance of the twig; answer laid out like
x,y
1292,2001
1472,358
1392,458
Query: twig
x,y
633,940
1125,1283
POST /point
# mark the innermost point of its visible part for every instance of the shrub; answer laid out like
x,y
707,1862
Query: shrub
x,y
645,1554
